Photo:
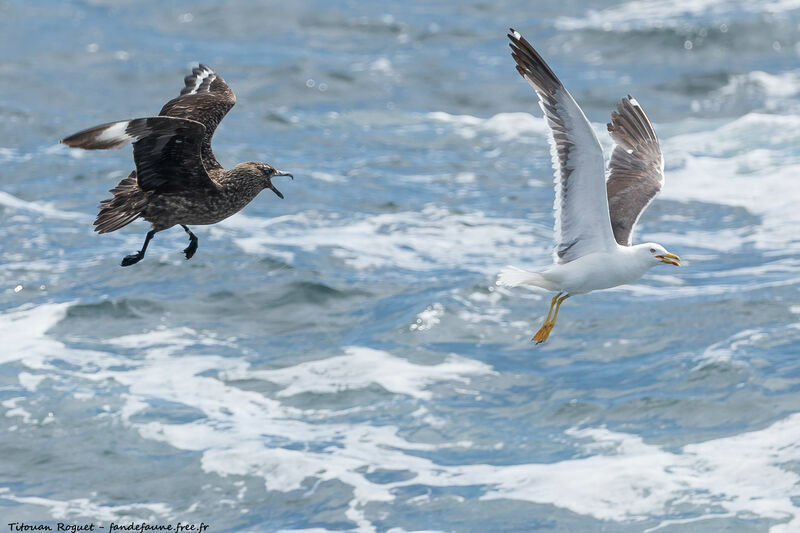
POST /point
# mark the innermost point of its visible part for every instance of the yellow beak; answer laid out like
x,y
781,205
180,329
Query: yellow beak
x,y
670,259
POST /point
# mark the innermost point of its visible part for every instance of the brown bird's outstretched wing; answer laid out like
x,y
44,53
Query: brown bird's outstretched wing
x,y
582,224
206,99
166,150
636,170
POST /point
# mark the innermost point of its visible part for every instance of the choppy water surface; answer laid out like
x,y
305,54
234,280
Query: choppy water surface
x,y
341,360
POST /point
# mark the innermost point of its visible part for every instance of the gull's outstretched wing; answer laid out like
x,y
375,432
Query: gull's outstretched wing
x,y
636,171
206,99
582,224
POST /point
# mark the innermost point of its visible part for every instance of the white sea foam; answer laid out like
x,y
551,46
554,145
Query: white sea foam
x,y
517,126
170,339
752,131
775,92
25,339
23,333
42,208
630,479
724,167
12,409
428,318
361,367
30,381
85,508
620,477
639,14
327,176
736,350
422,241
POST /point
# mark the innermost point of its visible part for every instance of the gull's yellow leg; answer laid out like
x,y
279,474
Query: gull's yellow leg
x,y
546,327
552,304
558,305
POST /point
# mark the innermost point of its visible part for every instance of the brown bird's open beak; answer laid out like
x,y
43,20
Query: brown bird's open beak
x,y
275,189
670,259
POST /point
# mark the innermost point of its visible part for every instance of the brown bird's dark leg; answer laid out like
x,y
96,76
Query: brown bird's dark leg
x,y
192,248
138,256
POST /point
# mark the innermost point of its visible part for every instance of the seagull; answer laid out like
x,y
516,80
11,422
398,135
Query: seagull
x,y
594,217
177,180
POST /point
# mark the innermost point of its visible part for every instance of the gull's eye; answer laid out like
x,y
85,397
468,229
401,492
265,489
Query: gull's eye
x,y
652,250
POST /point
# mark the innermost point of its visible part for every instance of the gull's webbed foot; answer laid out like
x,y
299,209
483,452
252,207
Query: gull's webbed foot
x,y
547,327
543,333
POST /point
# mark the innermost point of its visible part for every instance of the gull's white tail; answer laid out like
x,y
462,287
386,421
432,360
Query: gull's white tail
x,y
513,277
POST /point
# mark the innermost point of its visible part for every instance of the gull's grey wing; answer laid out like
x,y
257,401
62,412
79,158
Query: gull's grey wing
x,y
206,99
636,170
166,150
582,224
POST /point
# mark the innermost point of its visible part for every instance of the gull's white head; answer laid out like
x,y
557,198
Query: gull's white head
x,y
655,253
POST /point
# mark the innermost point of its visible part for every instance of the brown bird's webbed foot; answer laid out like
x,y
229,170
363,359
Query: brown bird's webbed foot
x,y
547,327
192,248
132,259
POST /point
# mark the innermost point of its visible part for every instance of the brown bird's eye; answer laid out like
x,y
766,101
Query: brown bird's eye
x,y
652,250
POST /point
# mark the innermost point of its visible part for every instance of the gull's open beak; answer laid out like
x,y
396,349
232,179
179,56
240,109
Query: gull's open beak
x,y
275,189
670,259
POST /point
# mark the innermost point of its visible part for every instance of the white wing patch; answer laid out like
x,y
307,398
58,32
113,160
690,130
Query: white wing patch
x,y
115,134
102,137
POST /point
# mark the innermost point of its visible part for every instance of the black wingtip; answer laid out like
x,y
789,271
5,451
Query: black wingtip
x,y
531,65
515,37
70,142
76,140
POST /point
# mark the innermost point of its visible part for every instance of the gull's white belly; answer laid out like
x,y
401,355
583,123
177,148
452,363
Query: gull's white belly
x,y
596,271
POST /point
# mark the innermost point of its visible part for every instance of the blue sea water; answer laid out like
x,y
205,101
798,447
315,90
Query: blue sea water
x,y
341,360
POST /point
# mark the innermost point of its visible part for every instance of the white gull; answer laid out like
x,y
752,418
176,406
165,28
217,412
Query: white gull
x,y
594,218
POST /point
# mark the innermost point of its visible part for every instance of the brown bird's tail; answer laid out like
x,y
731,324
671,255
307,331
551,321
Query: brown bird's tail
x,y
125,206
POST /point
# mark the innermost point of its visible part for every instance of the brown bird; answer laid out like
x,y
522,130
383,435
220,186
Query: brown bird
x,y
177,178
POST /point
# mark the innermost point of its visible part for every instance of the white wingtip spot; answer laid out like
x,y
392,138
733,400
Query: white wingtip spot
x,y
517,35
634,101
